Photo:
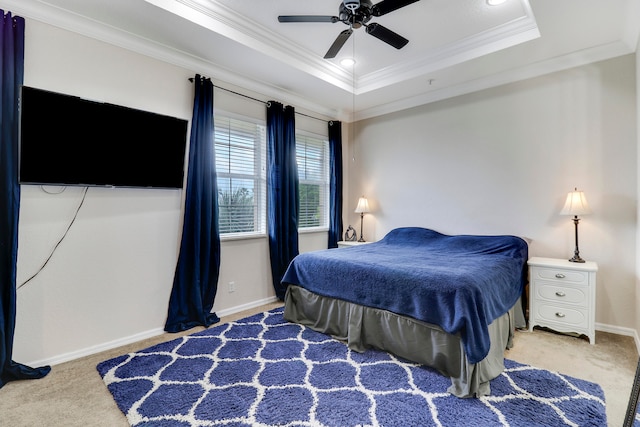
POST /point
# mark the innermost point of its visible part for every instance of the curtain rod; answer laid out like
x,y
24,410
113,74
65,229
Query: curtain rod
x,y
191,79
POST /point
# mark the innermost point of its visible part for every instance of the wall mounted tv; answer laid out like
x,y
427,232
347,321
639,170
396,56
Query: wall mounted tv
x,y
67,140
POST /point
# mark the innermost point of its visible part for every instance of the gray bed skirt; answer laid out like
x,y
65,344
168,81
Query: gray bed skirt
x,y
363,327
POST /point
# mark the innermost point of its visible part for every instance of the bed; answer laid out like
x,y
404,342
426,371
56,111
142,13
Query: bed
x,y
448,302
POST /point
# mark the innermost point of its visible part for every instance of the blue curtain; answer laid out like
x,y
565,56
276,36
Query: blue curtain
x,y
335,183
12,45
282,191
196,277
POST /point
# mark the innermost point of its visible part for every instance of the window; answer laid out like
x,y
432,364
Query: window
x,y
240,147
312,155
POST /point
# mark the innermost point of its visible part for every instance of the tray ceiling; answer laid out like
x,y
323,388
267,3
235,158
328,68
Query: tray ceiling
x,y
454,47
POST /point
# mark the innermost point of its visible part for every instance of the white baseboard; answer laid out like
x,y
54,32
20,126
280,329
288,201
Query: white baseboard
x,y
88,351
243,307
619,330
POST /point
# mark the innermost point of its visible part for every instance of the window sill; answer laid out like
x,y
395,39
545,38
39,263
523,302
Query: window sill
x,y
313,230
231,237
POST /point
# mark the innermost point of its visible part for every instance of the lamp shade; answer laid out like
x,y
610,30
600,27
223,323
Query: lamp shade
x,y
363,205
576,204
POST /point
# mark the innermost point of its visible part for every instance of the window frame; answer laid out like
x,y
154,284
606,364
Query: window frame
x,y
259,176
324,183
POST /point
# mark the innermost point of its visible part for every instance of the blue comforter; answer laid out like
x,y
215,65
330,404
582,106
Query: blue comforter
x,y
461,283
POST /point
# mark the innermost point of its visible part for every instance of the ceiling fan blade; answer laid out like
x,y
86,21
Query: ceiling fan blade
x,y
386,6
386,35
308,18
338,43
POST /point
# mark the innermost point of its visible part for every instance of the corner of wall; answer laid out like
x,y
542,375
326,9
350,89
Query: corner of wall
x,y
637,305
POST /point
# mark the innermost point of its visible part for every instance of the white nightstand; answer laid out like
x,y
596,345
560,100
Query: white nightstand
x,y
346,244
562,295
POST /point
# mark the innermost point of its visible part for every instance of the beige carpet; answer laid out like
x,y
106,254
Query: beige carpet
x,y
73,394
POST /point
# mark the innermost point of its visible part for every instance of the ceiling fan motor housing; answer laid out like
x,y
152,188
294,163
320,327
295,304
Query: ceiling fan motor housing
x,y
352,5
355,13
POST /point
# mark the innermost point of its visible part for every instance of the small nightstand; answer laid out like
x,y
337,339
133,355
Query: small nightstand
x,y
562,295
346,244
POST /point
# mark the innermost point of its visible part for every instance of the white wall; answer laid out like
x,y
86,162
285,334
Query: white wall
x,y
501,161
637,287
498,161
109,282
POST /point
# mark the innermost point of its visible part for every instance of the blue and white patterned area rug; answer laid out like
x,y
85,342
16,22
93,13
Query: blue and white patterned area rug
x,y
265,371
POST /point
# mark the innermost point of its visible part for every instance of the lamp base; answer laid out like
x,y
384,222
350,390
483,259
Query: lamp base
x,y
576,253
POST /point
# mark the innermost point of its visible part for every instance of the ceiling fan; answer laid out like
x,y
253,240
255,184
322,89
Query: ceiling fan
x,y
355,14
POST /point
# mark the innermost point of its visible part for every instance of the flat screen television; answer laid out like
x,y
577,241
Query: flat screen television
x,y
68,140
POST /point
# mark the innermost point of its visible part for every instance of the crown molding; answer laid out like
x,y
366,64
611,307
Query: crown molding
x,y
509,34
224,21
74,23
631,35
561,63
50,15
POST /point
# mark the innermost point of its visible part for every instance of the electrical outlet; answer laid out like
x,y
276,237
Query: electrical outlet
x,y
232,287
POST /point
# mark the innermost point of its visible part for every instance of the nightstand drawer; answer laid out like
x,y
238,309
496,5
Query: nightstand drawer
x,y
578,277
567,316
562,294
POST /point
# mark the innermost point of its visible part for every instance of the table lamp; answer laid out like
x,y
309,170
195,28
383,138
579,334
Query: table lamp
x,y
362,208
576,204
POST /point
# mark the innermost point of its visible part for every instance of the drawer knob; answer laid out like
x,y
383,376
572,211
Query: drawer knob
x,y
560,276
560,315
561,294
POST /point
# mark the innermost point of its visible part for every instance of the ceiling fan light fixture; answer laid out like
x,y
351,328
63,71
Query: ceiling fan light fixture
x,y
348,62
495,2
